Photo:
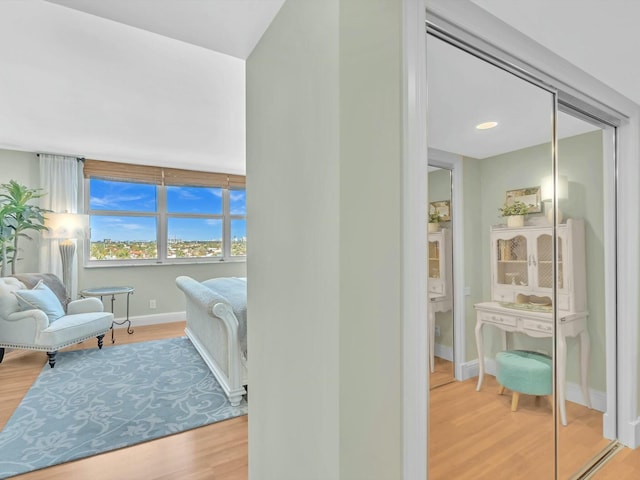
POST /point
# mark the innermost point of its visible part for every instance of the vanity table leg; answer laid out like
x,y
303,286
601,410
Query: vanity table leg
x,y
562,374
432,337
480,347
585,347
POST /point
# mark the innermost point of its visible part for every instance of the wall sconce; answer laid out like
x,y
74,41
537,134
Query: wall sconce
x,y
66,227
546,194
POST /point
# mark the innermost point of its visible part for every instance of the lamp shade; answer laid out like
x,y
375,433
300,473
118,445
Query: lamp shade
x,y
66,225
546,189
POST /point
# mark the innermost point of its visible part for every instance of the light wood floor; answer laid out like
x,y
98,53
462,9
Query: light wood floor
x,y
443,373
460,447
213,452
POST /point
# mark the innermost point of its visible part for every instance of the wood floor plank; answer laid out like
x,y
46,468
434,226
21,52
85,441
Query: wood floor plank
x,y
461,445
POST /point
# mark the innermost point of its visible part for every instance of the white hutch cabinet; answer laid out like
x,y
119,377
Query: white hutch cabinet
x,y
522,292
439,284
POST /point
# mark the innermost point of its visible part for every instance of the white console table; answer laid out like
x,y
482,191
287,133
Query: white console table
x,y
538,324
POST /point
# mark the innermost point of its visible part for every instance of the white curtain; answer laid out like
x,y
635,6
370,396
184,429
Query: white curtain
x,y
62,183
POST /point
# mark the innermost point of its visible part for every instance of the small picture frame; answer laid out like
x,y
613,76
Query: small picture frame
x,y
529,195
443,207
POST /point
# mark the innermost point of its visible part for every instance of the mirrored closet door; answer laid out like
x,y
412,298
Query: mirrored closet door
x,y
533,316
440,277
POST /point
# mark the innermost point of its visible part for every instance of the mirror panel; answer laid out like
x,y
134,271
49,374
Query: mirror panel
x,y
585,188
473,431
440,276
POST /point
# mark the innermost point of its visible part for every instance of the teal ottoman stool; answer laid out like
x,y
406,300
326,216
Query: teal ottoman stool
x,y
524,372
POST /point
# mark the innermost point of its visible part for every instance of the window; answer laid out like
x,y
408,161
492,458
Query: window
x,y
157,216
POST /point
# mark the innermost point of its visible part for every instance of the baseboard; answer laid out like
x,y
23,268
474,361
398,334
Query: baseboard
x,y
598,398
154,319
469,370
443,352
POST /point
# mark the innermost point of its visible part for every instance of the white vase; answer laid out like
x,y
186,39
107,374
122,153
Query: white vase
x,y
433,227
515,221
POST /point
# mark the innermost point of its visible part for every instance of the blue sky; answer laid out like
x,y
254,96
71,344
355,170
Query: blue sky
x,y
121,196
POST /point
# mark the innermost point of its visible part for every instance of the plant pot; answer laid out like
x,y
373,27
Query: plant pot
x,y
515,221
433,227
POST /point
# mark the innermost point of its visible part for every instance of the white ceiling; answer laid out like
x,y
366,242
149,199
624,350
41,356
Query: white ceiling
x,y
464,91
600,37
232,27
107,79
75,83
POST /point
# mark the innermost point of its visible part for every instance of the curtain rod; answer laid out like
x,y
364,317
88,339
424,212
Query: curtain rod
x,y
80,159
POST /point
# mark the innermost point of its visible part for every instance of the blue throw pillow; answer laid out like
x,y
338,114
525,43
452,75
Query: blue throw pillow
x,y
42,298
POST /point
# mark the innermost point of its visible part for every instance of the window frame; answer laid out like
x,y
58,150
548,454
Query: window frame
x,y
162,216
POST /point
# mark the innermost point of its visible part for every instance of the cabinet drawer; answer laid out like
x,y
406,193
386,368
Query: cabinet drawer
x,y
538,326
503,296
436,287
499,319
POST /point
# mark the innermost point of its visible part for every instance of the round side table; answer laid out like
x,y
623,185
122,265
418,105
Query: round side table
x,y
113,291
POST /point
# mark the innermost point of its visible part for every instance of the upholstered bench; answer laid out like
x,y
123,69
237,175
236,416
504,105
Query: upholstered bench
x,y
525,372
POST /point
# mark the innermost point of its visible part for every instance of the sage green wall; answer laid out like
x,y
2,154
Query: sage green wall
x,y
580,158
473,249
440,189
324,119
23,168
150,282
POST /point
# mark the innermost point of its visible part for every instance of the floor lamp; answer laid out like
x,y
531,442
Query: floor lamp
x,y
66,227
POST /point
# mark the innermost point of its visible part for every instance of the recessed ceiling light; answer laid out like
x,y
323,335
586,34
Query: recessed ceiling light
x,y
486,125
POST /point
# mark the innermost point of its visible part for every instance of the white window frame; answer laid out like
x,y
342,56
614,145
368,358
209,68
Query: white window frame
x,y
162,215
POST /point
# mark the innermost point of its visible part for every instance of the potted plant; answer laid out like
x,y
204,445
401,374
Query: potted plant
x,y
515,213
434,222
17,215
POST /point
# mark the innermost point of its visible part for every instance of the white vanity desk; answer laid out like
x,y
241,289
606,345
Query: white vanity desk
x,y
522,288
537,324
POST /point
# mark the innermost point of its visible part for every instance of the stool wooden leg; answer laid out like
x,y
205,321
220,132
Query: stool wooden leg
x,y
514,401
500,389
537,400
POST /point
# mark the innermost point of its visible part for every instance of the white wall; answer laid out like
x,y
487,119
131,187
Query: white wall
x,y
323,192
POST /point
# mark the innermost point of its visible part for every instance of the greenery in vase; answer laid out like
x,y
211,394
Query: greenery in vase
x,y
435,217
516,208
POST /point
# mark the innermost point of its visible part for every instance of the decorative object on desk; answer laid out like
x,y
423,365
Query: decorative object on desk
x,y
97,401
443,208
515,213
66,227
562,193
17,215
434,222
530,196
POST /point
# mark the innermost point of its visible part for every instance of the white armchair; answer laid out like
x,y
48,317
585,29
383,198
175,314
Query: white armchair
x,y
24,326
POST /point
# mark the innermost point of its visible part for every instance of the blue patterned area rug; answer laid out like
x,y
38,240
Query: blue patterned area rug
x,y
95,400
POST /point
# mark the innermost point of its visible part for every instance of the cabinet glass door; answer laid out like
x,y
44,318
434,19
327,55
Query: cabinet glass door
x,y
544,262
434,259
513,261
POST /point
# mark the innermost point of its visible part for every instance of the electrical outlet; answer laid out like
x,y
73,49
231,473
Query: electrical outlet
x,y
437,330
152,303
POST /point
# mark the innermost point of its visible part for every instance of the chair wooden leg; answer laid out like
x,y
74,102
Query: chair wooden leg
x,y
500,389
52,358
1,354
514,401
100,338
